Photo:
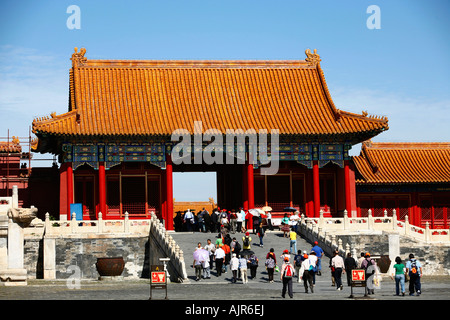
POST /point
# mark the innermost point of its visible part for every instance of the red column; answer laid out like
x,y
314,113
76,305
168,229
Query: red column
x,y
163,212
250,186
169,194
348,199
309,206
102,188
414,209
69,189
316,188
445,217
63,189
432,211
245,187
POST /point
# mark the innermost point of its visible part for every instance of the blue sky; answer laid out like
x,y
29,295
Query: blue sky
x,y
401,71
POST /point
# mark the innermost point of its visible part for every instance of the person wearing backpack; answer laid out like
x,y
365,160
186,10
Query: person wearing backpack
x,y
253,265
246,241
235,246
414,269
298,264
287,273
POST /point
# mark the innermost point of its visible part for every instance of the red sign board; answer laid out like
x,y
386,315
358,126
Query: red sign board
x,y
158,277
358,275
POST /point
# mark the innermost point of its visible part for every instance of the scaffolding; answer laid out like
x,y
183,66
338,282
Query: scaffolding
x,y
26,158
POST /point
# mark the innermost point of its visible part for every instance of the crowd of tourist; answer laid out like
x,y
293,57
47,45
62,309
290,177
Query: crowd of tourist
x,y
227,253
234,220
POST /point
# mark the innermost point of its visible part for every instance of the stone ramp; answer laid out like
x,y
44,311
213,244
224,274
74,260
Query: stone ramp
x,y
272,239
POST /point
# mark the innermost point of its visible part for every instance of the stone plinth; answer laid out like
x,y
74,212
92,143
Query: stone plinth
x,y
15,274
13,277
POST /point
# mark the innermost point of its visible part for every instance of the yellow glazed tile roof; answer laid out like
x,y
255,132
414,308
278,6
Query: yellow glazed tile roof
x,y
393,163
12,146
129,97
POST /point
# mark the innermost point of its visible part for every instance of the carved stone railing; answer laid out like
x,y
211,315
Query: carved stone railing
x,y
165,245
100,226
309,228
385,223
162,245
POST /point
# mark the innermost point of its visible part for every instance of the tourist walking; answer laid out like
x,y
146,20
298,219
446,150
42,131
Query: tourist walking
x,y
178,222
271,253
253,263
350,264
256,220
233,221
269,220
285,225
333,282
226,248
234,266
206,221
306,274
293,241
338,263
224,223
285,254
368,264
360,260
197,264
313,262
298,264
240,218
219,259
235,246
215,226
211,249
261,234
398,273
206,266
287,273
319,254
294,219
243,269
414,269
189,220
246,241
201,221
270,266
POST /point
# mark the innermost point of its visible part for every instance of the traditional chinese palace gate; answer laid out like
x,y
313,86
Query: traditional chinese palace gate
x,y
114,143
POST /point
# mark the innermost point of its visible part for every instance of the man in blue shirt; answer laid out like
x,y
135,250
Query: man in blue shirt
x,y
319,253
414,269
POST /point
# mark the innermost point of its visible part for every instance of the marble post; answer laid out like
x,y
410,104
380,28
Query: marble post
x,y
15,274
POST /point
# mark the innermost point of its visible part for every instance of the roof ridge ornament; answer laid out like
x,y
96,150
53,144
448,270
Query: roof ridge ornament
x,y
78,58
312,58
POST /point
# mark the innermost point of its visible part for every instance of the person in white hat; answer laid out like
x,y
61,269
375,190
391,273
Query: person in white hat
x,y
234,266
